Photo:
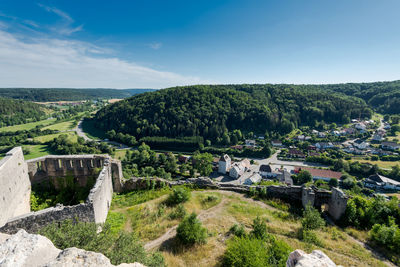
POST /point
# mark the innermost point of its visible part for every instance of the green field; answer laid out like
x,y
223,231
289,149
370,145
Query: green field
x,y
380,163
62,126
27,126
45,138
36,151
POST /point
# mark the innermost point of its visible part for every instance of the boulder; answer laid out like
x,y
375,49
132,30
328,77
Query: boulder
x,y
23,250
317,258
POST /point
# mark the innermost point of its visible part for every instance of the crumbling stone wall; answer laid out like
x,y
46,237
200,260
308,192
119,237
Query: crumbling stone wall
x,y
15,188
336,200
97,204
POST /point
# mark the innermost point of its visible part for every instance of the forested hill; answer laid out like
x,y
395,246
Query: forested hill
x,y
18,112
383,96
210,111
67,94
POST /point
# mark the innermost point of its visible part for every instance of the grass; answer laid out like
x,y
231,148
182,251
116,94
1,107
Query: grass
x,y
36,151
62,126
144,212
380,163
91,131
45,138
27,126
120,153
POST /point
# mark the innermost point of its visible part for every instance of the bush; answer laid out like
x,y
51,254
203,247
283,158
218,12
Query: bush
x,y
190,231
119,248
179,195
333,182
245,251
260,229
312,219
178,213
238,230
387,236
309,237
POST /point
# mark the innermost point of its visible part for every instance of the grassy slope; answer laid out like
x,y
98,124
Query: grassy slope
x,y
62,126
37,151
45,138
151,219
27,126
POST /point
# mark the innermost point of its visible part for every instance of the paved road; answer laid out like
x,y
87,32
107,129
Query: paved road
x,y
273,160
79,131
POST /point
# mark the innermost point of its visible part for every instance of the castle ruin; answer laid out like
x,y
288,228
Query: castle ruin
x,y
18,176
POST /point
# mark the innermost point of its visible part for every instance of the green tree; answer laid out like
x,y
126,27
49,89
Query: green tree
x,y
311,219
190,231
203,163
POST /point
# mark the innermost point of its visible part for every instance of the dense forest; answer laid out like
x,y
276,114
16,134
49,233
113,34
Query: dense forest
x,y
67,94
18,112
382,96
211,111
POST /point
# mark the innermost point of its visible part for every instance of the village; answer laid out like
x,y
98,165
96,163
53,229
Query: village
x,y
309,151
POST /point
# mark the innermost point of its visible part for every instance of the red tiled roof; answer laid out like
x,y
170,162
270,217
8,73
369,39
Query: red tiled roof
x,y
319,172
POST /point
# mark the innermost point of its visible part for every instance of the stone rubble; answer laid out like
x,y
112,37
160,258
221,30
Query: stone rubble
x,y
317,258
23,250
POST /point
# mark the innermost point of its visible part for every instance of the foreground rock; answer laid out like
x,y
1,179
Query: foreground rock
x,y
23,249
317,258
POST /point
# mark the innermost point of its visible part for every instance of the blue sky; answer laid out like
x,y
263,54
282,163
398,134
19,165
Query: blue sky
x,y
157,44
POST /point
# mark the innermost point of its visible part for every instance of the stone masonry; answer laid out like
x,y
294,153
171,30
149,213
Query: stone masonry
x,y
15,188
48,168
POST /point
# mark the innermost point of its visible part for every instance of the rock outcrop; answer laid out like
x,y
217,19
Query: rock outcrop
x,y
23,250
317,258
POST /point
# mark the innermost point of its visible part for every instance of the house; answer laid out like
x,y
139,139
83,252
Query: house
x,y
314,154
224,164
360,126
349,130
250,142
324,145
319,174
276,143
361,145
387,126
377,181
295,153
253,179
390,145
321,135
238,168
285,177
378,137
300,137
266,171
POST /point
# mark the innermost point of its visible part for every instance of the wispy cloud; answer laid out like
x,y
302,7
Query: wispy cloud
x,y
155,45
66,26
52,62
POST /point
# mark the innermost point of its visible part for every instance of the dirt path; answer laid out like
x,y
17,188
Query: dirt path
x,y
204,215
376,254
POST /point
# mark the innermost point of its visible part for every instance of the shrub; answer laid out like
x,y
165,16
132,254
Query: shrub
x,y
246,251
312,219
333,182
178,213
260,229
238,230
190,231
119,248
309,237
387,236
178,195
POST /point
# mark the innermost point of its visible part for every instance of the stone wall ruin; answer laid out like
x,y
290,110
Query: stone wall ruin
x,y
54,169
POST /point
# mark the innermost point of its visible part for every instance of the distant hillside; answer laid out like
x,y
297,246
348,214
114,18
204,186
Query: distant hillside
x,y
212,110
18,111
67,94
383,96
